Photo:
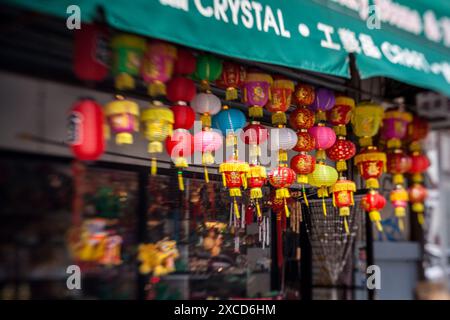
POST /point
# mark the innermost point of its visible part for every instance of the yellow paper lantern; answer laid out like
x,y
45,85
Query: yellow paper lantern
x,y
323,177
158,121
123,119
366,120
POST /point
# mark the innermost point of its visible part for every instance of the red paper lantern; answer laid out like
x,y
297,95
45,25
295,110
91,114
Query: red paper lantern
x,y
301,118
86,130
372,203
303,164
232,77
371,165
304,95
419,163
234,177
341,151
339,116
417,195
91,56
305,142
180,146
256,178
398,163
399,200
254,134
418,129
280,100
343,198
185,63
181,90
184,117
282,178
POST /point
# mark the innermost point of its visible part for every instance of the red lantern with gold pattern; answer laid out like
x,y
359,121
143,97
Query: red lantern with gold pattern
x,y
302,118
281,95
234,177
341,151
398,163
343,198
282,178
417,195
304,95
419,164
232,77
339,116
305,142
372,203
303,164
371,164
185,63
256,178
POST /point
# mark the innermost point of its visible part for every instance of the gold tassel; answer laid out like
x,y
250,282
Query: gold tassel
x,y
124,138
305,197
365,141
255,193
347,230
258,209
398,179
321,155
244,180
376,218
231,93
180,181
279,118
204,85
231,139
154,167
420,218
340,130
124,81
206,120
286,209
401,225
324,207
372,183
341,165
205,170
255,112
156,88
224,179
282,155
236,208
320,116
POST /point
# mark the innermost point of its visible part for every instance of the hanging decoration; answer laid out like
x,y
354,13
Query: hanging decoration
x,y
323,177
232,77
206,104
183,116
86,130
254,134
123,119
418,130
180,146
206,142
372,203
303,164
208,70
256,92
371,164
256,179
281,140
366,120
186,62
281,178
91,54
234,177
341,151
324,100
158,121
340,115
229,121
128,51
181,91
157,66
343,191
304,95
280,99
324,138
393,131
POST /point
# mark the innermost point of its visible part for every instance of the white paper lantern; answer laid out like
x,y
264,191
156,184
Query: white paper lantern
x,y
282,139
207,105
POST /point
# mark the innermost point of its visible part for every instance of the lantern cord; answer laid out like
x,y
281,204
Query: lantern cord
x,y
324,207
347,230
286,209
180,181
304,196
205,170
154,167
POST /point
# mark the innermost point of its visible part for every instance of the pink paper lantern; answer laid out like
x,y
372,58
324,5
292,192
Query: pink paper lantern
x,y
207,142
324,138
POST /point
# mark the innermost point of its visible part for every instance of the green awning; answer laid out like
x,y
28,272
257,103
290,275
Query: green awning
x,y
410,44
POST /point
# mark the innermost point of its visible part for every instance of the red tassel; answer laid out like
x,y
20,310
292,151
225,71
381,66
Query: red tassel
x,y
279,240
249,214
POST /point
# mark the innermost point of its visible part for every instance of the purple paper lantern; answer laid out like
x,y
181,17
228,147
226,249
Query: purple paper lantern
x,y
323,102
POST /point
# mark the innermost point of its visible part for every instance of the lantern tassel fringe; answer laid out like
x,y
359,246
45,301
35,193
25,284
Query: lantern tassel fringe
x,y
375,217
154,167
255,112
231,93
124,81
205,171
279,118
180,181
156,89
236,208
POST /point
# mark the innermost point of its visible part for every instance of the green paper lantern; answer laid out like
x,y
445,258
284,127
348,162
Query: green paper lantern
x,y
209,69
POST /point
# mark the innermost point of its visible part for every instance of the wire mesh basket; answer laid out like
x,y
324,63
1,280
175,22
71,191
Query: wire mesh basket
x,y
330,243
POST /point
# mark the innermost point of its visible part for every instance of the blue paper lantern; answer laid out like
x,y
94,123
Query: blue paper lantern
x,y
228,121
